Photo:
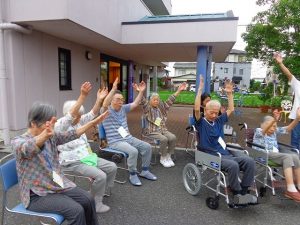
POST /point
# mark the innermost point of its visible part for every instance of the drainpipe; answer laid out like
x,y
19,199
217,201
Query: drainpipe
x,y
4,77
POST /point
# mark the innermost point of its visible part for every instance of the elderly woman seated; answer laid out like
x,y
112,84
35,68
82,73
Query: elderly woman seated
x,y
43,186
155,113
266,135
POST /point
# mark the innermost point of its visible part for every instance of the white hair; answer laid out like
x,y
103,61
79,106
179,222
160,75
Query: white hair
x,y
154,94
69,104
213,103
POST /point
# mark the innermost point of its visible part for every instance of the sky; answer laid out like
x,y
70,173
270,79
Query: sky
x,y
244,9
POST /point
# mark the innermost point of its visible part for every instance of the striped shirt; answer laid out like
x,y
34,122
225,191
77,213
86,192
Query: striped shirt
x,y
35,165
151,114
114,121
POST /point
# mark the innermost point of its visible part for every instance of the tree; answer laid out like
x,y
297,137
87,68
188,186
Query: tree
x,y
276,29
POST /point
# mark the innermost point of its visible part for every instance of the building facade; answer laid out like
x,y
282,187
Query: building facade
x,y
49,48
236,68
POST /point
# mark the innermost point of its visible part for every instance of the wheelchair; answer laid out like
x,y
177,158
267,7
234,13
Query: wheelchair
x,y
206,171
268,172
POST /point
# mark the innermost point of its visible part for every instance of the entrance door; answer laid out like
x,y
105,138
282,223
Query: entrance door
x,y
110,69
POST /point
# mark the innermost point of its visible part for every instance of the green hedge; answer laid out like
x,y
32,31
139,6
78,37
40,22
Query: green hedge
x,y
249,100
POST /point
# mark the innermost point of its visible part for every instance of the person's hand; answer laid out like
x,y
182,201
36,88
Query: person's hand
x,y
277,57
228,87
182,87
276,114
102,93
139,87
201,83
102,117
49,128
142,86
85,89
115,84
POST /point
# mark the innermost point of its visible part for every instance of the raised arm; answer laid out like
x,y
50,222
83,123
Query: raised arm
x,y
278,59
198,99
229,91
94,122
294,122
141,89
85,89
101,94
108,98
47,133
181,88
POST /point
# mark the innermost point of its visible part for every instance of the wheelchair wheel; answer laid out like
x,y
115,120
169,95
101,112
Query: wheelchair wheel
x,y
191,178
212,203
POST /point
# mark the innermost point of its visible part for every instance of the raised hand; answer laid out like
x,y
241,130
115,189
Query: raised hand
x,y
201,84
135,87
115,84
182,86
228,87
102,93
102,117
142,86
85,88
278,58
49,128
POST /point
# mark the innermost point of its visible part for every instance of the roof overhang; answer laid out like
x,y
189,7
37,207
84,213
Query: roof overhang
x,y
151,43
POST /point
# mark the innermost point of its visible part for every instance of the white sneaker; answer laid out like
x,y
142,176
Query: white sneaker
x,y
169,159
163,161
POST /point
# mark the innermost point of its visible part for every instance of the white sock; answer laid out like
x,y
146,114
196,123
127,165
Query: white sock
x,y
291,188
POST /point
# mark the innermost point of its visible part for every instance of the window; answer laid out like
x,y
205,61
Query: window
x,y
234,70
64,66
241,72
225,70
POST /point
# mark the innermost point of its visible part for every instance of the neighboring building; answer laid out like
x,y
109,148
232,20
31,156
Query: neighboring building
x,y
184,72
49,48
235,68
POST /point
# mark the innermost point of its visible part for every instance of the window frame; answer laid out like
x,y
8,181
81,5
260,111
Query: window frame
x,y
67,64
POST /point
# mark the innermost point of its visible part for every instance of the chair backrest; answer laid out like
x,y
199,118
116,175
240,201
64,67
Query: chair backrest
x,y
102,134
9,174
249,132
286,105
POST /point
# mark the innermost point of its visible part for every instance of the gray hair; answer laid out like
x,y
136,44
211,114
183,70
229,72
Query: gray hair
x,y
69,104
154,94
267,118
40,113
213,103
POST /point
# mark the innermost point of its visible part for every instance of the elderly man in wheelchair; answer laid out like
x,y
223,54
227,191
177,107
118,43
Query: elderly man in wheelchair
x,y
210,136
266,136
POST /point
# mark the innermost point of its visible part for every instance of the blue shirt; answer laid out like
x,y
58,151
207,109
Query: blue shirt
x,y
209,133
114,121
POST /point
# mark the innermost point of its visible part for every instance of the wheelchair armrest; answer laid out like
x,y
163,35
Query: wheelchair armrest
x,y
250,144
236,149
290,148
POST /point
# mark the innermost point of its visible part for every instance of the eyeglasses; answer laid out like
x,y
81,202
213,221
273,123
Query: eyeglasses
x,y
119,99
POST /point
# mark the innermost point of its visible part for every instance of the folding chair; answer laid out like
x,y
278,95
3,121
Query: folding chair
x,y
266,169
152,141
9,178
102,136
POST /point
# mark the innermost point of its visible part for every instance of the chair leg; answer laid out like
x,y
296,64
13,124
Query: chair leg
x,y
122,168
